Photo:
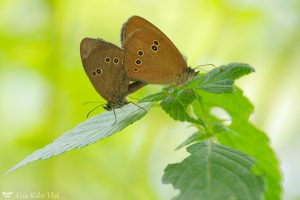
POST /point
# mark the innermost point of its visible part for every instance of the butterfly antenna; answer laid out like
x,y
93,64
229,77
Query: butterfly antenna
x,y
134,98
87,116
89,102
138,106
204,65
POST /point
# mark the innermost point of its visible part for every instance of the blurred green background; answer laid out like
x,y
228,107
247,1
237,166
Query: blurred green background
x,y
43,86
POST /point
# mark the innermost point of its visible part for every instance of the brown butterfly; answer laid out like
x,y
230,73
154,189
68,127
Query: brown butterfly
x,y
150,56
103,63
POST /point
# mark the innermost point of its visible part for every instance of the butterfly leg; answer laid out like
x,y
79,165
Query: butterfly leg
x,y
115,118
138,106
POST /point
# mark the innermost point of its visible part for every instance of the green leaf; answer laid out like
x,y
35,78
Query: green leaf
x,y
246,137
214,172
186,97
177,102
200,135
204,132
221,86
154,97
217,127
221,79
195,137
90,131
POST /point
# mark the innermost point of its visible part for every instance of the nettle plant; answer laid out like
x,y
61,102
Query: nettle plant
x,y
227,160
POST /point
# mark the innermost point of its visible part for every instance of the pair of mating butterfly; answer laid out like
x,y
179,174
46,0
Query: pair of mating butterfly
x,y
147,56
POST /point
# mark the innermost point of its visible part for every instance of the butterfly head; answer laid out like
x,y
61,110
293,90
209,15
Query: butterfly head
x,y
186,75
117,103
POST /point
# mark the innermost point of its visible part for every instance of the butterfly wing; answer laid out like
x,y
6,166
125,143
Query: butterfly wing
x,y
150,58
103,64
136,23
150,55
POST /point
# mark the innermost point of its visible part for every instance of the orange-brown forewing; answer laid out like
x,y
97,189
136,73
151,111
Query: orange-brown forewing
x,y
150,55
